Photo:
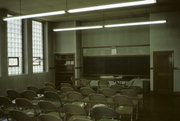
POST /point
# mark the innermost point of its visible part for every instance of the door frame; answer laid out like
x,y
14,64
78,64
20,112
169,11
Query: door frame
x,y
172,76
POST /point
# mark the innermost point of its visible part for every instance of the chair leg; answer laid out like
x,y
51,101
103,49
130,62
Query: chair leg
x,y
131,117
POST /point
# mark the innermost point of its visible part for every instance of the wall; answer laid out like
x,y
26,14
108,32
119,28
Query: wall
x,y
69,42
20,82
114,37
65,41
166,37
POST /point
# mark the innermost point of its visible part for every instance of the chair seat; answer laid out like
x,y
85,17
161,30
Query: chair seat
x,y
124,110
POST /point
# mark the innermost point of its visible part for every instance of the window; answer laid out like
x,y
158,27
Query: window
x,y
15,47
37,37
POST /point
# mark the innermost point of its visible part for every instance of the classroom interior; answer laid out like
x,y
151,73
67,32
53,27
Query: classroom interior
x,y
109,61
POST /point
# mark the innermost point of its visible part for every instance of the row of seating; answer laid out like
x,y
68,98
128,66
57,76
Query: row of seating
x,y
69,100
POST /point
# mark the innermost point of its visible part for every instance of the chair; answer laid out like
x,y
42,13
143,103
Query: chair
x,y
5,106
85,91
133,95
13,94
80,119
102,111
74,96
103,83
5,102
95,98
21,116
49,84
49,108
46,117
54,97
33,88
124,105
84,82
108,92
65,85
29,94
74,111
117,88
48,88
26,106
66,89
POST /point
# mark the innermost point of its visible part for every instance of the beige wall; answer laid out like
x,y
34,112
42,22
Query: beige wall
x,y
136,35
166,37
20,82
65,41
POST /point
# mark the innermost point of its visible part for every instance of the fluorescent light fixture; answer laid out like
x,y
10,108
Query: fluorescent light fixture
x,y
136,23
110,6
35,15
78,28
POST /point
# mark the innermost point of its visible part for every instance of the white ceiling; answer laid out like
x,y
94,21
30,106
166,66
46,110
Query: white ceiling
x,y
38,6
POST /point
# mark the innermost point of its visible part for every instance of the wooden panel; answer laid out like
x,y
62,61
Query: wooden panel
x,y
125,65
64,68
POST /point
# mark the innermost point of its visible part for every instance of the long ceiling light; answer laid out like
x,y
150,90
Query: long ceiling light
x,y
35,15
112,25
93,8
110,6
78,28
136,23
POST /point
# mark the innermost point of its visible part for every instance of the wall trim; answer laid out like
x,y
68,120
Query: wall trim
x,y
117,46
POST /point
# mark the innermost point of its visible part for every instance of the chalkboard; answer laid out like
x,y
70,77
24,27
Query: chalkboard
x,y
125,65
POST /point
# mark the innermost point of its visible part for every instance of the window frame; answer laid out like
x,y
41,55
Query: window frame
x,y
43,47
23,49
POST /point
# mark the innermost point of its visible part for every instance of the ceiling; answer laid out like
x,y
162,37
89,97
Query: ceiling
x,y
39,6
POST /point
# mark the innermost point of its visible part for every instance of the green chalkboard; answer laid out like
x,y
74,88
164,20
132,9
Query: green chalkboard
x,y
125,65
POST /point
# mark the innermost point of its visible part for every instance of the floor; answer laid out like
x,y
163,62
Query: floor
x,y
160,108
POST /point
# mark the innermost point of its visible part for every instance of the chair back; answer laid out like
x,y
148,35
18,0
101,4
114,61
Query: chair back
x,y
20,116
73,109
46,106
5,102
49,84
121,100
45,117
24,103
13,94
85,91
48,88
129,92
33,88
97,98
66,89
102,111
29,94
108,92
84,82
74,96
65,85
103,83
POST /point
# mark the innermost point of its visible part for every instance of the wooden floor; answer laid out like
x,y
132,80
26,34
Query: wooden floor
x,y
160,108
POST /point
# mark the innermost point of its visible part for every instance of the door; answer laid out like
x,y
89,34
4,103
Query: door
x,y
163,72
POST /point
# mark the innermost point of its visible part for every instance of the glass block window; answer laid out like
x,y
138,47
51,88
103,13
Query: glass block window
x,y
37,37
15,47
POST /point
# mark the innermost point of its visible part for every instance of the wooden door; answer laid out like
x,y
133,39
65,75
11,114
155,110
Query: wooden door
x,y
163,72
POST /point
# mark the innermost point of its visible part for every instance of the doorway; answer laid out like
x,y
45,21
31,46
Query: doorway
x,y
163,72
